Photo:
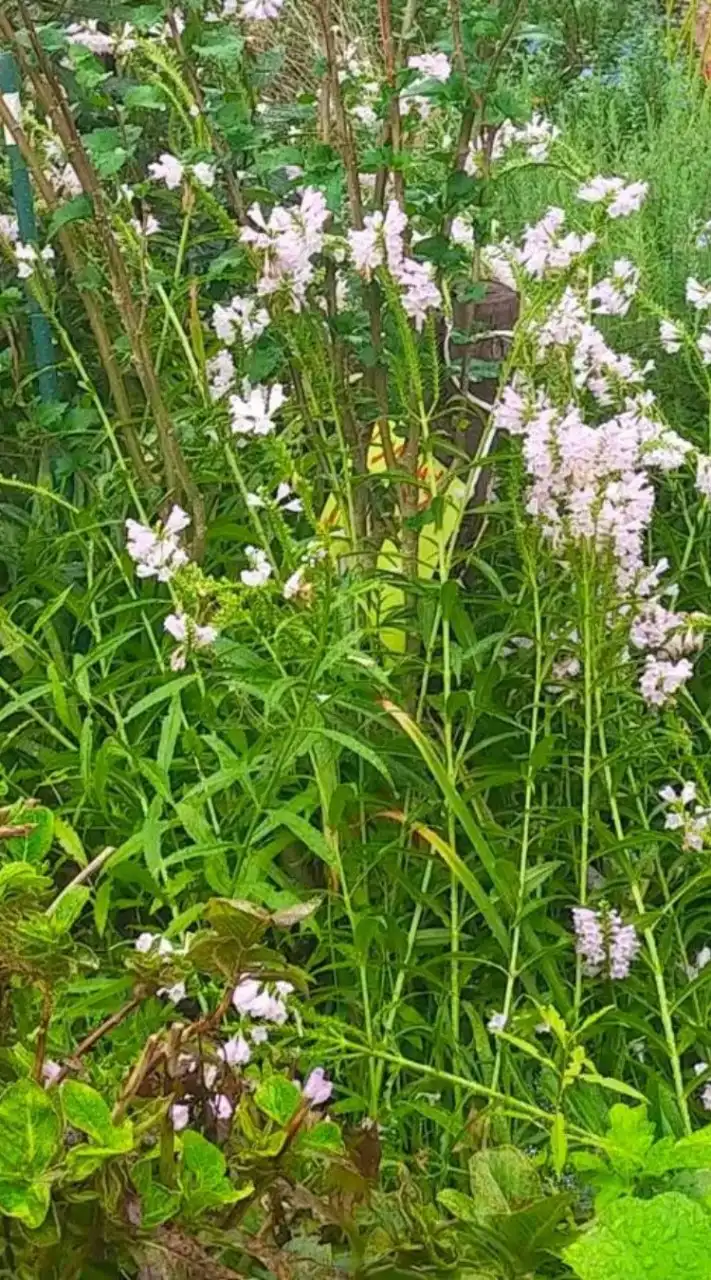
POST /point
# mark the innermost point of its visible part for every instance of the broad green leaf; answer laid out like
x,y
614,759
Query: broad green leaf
x,y
69,907
666,1238
278,1098
28,1201
629,1139
323,1139
38,842
69,841
76,210
502,1179
85,1109
84,1160
460,1206
202,1160
30,1129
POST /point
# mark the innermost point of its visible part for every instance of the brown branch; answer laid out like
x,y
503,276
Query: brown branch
x,y
66,240
177,472
94,1036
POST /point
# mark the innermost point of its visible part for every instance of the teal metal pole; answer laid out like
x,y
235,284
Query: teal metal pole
x,y
44,353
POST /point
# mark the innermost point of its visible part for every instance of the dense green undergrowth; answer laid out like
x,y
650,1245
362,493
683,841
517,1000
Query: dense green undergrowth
x,y
354,905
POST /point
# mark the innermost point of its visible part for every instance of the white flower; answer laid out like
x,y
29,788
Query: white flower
x,y
8,227
26,256
670,336
629,200
179,1116
189,635
318,1087
245,993
613,295
175,994
221,374
704,342
261,570
294,585
167,169
703,475
285,500
497,1022
462,233
253,412
221,1106
699,295
365,114
260,10
259,1035
434,65
241,315
88,35
204,173
158,555
145,941
149,227
235,1051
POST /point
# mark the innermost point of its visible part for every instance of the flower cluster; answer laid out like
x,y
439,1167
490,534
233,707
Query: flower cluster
x,y
536,136
9,228
158,554
289,241
27,257
189,635
380,243
253,412
673,637
260,569
613,295
545,248
99,42
436,66
680,817
619,197
253,999
171,171
242,316
146,944
259,10
604,943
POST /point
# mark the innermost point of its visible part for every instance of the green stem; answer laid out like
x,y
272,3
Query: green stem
x,y
664,1007
588,677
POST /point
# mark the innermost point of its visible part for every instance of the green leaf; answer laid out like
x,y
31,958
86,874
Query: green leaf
x,y
502,1179
629,1139
667,1238
69,841
156,696
84,1160
303,830
76,210
34,846
278,1098
28,1201
559,1143
203,1160
460,1206
324,1139
85,1109
69,907
30,1129
146,96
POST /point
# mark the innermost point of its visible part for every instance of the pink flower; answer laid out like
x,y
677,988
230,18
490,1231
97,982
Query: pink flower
x,y
221,1106
235,1052
318,1088
179,1116
434,65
